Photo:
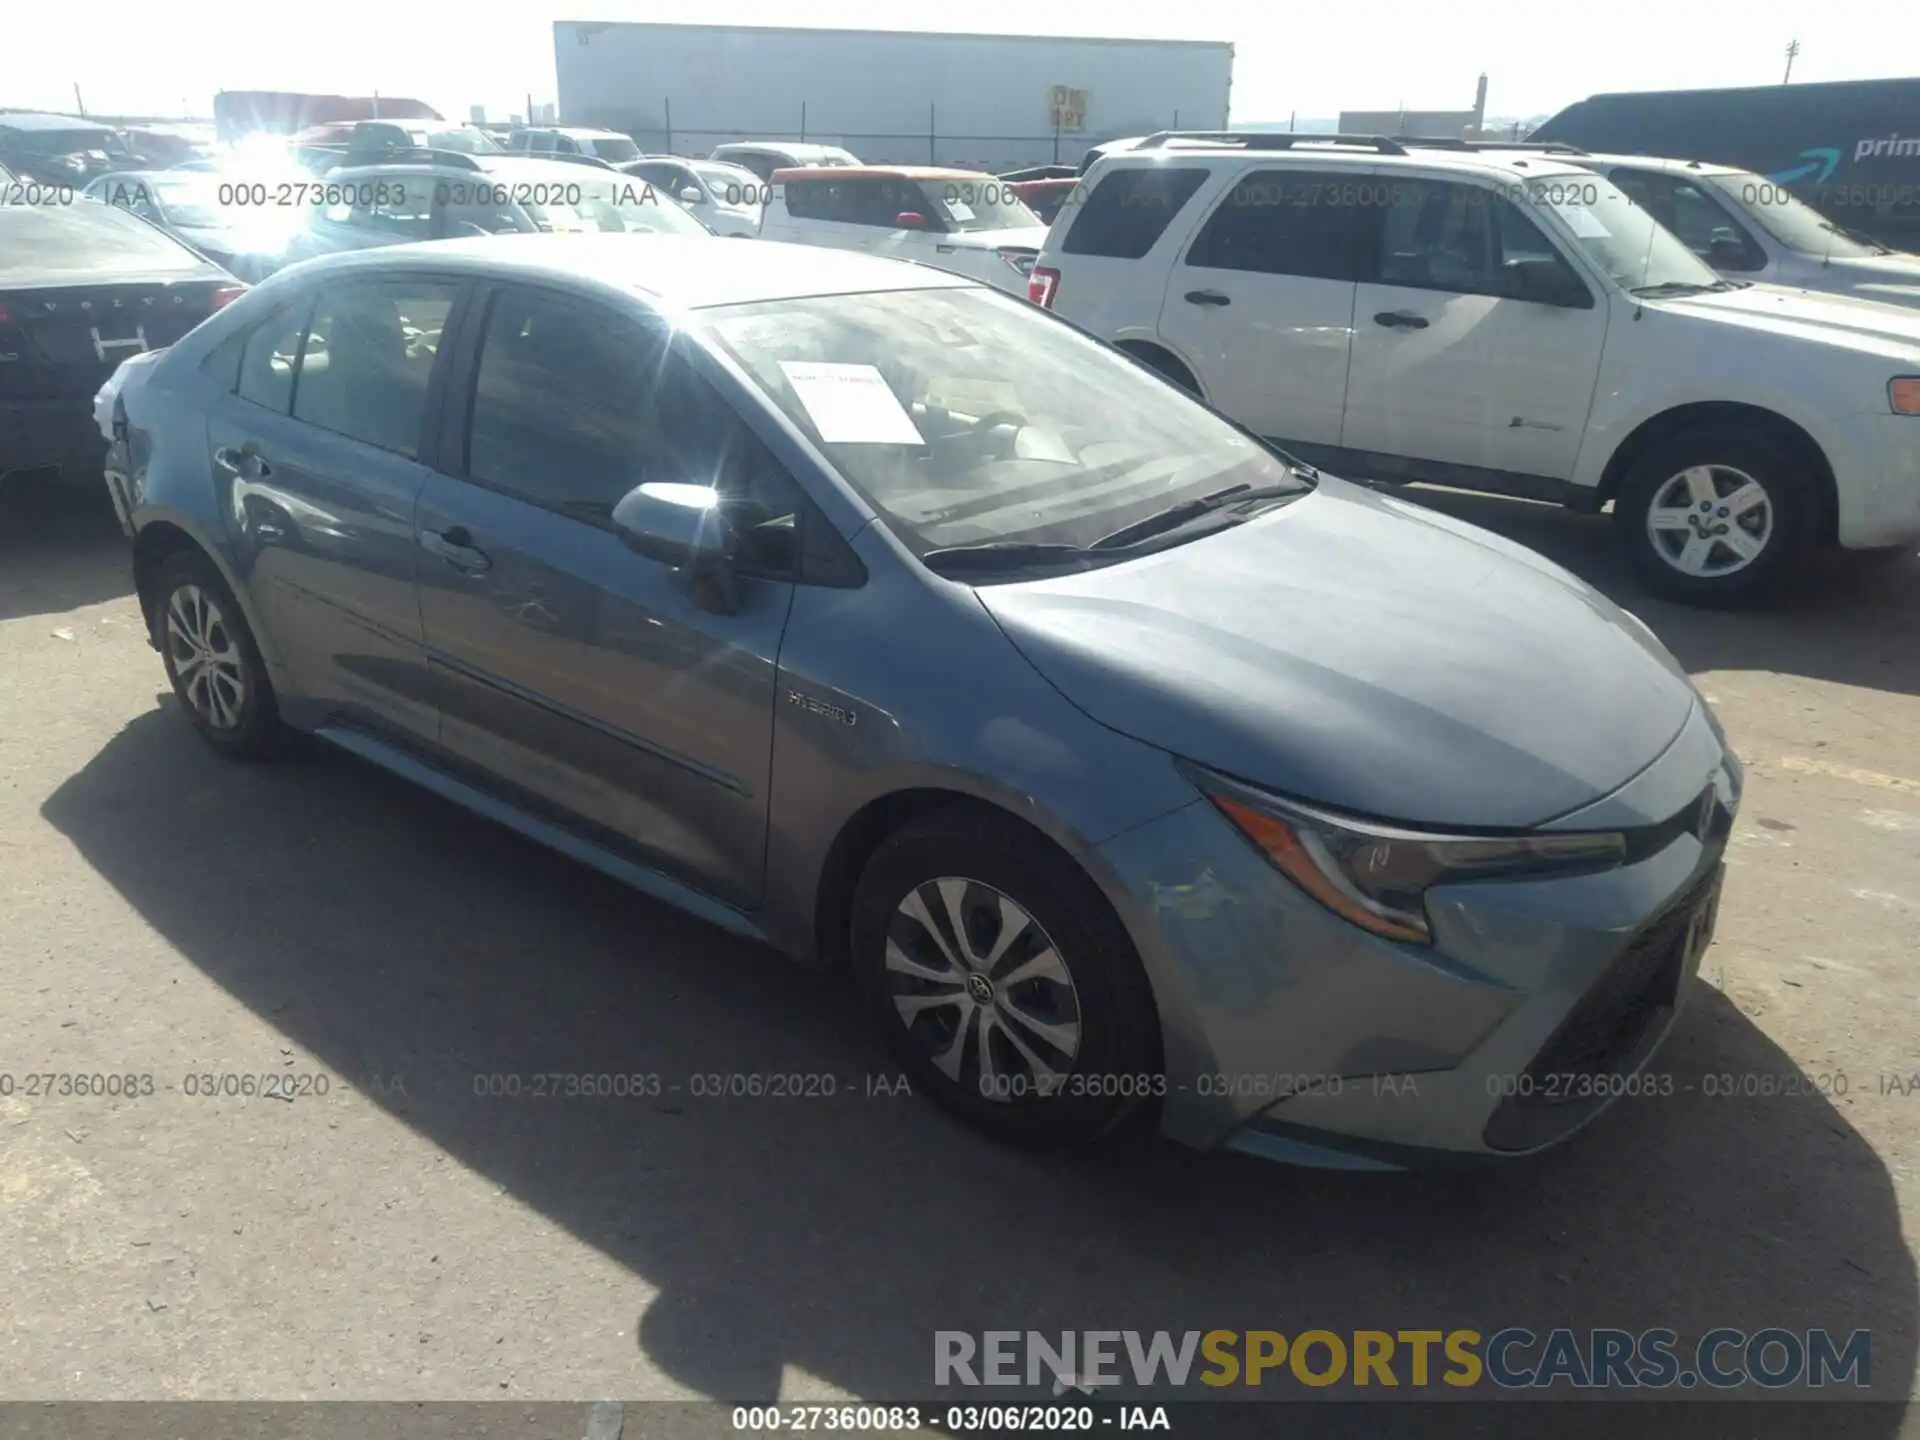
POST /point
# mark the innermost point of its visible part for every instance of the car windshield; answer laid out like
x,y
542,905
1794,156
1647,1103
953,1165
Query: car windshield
x,y
462,140
969,418
620,203
617,149
983,204
192,200
1790,220
1628,243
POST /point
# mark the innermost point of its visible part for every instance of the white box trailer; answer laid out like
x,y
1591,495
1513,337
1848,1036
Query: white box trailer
x,y
993,102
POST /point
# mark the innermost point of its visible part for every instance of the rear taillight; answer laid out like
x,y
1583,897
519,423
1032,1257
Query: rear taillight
x,y
225,296
1042,285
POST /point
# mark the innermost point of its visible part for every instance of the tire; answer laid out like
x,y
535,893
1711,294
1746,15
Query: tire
x,y
1096,1059
1700,557
226,696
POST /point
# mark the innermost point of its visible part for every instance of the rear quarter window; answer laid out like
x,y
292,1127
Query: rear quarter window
x,y
1129,210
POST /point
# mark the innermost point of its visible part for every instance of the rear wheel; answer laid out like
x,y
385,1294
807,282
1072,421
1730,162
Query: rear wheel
x,y
1717,515
212,660
1003,982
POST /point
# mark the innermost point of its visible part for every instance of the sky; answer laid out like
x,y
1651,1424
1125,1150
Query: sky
x,y
140,57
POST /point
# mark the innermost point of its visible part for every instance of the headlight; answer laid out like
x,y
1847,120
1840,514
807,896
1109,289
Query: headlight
x,y
1377,876
1903,393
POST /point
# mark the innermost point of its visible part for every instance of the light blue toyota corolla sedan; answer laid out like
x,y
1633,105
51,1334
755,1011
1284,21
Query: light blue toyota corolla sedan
x,y
1127,766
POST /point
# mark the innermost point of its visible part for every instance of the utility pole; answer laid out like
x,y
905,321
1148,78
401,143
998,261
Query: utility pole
x,y
78,103
1793,49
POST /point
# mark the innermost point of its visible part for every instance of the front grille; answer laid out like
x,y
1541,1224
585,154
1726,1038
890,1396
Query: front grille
x,y
1607,1031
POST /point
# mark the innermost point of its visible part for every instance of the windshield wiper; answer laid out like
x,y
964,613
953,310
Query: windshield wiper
x,y
1183,511
1683,287
1000,555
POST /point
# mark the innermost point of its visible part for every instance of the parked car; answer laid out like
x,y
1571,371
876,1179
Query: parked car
x,y
245,240
439,195
966,221
1507,322
728,199
1047,198
575,140
60,149
861,609
81,288
165,147
371,142
763,157
1750,228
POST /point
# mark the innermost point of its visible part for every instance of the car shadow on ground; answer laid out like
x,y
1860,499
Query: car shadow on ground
x,y
389,933
1850,619
60,548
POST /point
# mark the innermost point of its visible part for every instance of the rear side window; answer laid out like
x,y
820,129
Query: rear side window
x,y
267,364
813,199
1129,210
367,358
1288,222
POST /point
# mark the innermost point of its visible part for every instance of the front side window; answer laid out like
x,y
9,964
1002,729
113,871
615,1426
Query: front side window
x,y
367,358
966,417
1639,253
1701,222
1129,210
1464,240
1315,224
570,413
1789,219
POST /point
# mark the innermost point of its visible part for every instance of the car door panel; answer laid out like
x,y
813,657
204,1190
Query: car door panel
x,y
574,669
1447,369
1260,303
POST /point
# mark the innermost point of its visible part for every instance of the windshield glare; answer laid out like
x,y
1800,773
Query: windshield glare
x,y
193,203
1629,244
983,204
964,417
1790,220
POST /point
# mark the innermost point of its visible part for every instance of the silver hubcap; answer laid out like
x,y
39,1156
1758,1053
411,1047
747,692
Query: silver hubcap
x,y
1710,520
205,657
980,985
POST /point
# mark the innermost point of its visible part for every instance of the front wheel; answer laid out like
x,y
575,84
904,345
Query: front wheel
x,y
1003,982
1717,515
212,660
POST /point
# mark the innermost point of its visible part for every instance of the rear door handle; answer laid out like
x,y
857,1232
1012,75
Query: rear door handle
x,y
243,461
1207,297
1400,320
455,546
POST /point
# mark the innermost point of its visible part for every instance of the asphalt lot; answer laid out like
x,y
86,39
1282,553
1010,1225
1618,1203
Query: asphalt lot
x,y
402,1237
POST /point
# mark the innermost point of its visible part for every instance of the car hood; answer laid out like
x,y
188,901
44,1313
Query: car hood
x,y
1841,320
1366,654
1889,279
1019,237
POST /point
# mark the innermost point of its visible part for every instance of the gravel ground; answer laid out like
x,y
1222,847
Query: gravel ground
x,y
401,1237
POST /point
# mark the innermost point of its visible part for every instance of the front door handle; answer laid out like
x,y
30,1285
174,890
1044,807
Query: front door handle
x,y
1207,297
1400,320
455,546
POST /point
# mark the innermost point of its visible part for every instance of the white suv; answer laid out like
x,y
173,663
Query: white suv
x,y
1506,322
966,221
1750,228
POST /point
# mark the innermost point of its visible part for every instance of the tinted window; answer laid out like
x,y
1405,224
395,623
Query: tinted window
x,y
1458,238
1129,210
1318,224
813,199
367,359
571,412
267,363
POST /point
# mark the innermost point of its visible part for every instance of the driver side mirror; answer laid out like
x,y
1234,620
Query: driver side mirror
x,y
690,196
1545,281
683,526
910,220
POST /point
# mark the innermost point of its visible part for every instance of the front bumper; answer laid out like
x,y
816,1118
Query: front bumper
x,y
52,433
1290,1034
1876,473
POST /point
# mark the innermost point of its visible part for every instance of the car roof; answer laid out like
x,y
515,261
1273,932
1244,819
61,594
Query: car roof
x,y
785,147
877,172
571,130
530,167
27,120
1661,163
684,272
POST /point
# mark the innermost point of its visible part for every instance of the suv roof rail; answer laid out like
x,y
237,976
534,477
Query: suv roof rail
x,y
1274,140
1545,147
